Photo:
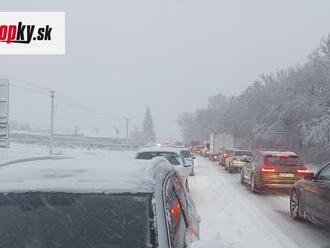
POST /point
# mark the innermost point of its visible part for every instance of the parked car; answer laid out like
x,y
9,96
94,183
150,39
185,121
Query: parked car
x,y
272,169
237,160
224,155
310,198
95,202
172,155
188,159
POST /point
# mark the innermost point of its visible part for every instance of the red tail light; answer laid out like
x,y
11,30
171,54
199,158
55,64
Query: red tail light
x,y
268,169
302,169
175,210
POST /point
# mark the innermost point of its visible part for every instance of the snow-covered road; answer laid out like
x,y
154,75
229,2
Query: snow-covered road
x,y
242,219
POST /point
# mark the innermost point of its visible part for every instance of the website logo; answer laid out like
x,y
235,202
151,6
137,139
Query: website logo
x,y
32,33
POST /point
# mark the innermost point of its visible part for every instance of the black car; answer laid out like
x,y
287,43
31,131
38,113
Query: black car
x,y
310,198
273,169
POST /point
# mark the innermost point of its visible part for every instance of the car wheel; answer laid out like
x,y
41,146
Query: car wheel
x,y
295,207
193,172
253,186
242,178
230,170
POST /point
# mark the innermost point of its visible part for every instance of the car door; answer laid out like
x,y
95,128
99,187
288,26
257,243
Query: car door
x,y
250,167
313,196
324,187
176,212
188,206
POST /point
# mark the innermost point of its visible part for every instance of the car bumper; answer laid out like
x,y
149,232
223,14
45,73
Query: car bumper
x,y
275,181
236,165
278,186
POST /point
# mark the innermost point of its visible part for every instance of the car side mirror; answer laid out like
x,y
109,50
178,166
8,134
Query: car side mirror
x,y
310,176
207,243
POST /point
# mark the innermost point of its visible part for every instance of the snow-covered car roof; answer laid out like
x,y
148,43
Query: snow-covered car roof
x,y
282,153
84,175
159,149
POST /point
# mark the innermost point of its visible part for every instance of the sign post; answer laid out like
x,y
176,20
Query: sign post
x,y
4,113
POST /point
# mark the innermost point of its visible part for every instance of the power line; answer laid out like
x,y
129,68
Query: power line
x,y
18,83
26,83
28,88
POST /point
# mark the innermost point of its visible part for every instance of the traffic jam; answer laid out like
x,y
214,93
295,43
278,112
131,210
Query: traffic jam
x,y
177,124
272,171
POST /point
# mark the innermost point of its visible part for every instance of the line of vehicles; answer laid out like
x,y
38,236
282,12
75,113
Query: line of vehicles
x,y
264,169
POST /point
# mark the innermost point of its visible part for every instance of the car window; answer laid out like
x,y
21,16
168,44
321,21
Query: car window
x,y
325,174
146,155
282,160
243,153
185,153
255,157
172,157
65,220
175,213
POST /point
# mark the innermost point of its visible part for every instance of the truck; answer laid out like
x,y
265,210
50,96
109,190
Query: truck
x,y
220,141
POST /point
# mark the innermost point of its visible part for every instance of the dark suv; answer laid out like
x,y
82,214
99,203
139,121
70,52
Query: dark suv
x,y
272,169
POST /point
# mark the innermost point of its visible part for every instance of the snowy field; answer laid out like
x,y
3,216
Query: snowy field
x,y
242,219
22,151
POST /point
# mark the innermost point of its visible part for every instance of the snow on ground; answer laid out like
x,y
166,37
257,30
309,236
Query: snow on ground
x,y
228,210
243,219
22,151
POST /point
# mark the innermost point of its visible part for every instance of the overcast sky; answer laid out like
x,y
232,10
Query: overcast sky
x,y
124,55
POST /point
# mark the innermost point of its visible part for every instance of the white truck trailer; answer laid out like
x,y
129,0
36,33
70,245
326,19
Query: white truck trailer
x,y
220,141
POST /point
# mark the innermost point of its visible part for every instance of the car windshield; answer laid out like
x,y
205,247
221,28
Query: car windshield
x,y
185,154
61,220
282,160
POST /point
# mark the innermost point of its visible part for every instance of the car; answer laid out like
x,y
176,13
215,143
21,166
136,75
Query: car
x,y
238,159
272,169
95,202
310,198
171,154
188,159
224,154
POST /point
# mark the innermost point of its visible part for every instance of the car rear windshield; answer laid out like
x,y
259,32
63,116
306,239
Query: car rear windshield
x,y
61,220
282,159
243,153
172,157
229,152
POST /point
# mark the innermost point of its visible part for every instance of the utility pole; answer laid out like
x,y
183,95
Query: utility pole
x,y
127,130
52,96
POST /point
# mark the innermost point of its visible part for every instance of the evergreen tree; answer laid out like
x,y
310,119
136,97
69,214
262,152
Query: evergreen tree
x,y
148,127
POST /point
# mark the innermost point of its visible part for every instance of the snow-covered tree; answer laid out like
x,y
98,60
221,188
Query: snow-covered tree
x,y
148,127
295,100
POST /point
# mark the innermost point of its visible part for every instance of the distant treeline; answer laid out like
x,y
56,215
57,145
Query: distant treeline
x,y
295,101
